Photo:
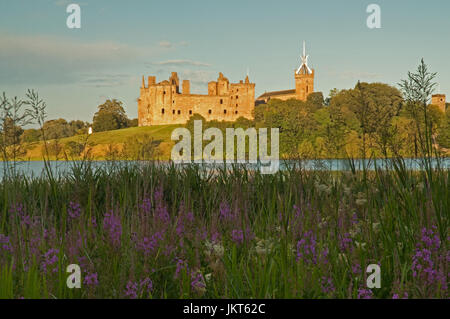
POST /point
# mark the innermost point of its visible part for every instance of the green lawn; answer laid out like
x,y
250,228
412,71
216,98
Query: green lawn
x,y
159,132
101,140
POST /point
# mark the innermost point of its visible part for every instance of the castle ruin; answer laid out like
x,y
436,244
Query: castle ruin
x,y
439,100
162,103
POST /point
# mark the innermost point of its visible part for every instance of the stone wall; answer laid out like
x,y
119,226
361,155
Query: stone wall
x,y
161,103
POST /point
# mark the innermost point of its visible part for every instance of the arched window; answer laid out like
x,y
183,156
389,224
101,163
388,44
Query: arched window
x,y
190,112
173,111
221,101
224,111
162,111
210,112
179,112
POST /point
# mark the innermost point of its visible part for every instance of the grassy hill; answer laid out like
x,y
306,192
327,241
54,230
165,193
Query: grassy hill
x,y
103,142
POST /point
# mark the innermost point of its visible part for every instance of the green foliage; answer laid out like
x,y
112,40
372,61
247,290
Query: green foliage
x,y
11,132
110,116
133,123
368,120
142,147
74,149
381,217
31,136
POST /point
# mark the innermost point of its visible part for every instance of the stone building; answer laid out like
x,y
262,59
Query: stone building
x,y
439,100
304,84
163,103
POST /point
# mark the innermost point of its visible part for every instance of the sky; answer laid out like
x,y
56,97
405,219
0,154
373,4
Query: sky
x,y
75,70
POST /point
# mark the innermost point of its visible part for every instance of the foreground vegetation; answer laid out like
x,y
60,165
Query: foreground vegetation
x,y
153,231
148,230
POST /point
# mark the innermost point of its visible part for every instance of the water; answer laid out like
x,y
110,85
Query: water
x,y
37,168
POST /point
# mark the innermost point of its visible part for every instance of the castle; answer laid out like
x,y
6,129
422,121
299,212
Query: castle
x,y
304,84
163,103
439,100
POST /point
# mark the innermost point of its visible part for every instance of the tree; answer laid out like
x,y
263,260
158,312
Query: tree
x,y
31,136
55,129
110,116
372,107
11,132
74,148
315,101
133,123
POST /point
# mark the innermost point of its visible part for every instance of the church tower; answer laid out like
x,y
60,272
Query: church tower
x,y
304,78
439,100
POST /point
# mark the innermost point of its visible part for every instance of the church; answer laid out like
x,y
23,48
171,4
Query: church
x,y
304,84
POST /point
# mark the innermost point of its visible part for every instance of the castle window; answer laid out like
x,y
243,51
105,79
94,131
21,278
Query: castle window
x,y
173,111
307,89
221,101
236,112
190,112
179,112
164,92
224,111
237,97
162,111
236,105
209,112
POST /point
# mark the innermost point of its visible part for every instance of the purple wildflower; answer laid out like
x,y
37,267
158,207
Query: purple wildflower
x,y
306,248
74,210
5,243
91,279
146,285
425,261
237,236
181,265
345,242
327,285
113,226
396,296
197,282
356,269
225,211
50,259
146,205
131,290
365,294
148,245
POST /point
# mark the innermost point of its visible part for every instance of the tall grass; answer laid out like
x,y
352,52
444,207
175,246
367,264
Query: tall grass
x,y
160,231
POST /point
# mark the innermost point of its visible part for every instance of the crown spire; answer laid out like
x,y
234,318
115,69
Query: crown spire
x,y
304,68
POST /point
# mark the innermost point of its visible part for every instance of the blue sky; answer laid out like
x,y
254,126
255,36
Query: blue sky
x,y
119,41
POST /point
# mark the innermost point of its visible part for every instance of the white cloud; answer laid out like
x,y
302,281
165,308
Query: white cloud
x,y
165,44
52,60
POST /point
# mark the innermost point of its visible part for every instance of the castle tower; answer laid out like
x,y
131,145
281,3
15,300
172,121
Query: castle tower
x,y
439,100
304,78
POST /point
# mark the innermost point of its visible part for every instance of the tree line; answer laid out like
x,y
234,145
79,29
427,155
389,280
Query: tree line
x,y
368,120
